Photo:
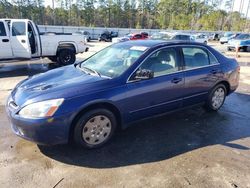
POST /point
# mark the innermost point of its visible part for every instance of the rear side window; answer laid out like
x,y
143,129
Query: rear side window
x,y
2,29
195,57
212,59
18,29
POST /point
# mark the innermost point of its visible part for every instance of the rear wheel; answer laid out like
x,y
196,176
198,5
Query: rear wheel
x,y
216,98
245,49
95,128
66,57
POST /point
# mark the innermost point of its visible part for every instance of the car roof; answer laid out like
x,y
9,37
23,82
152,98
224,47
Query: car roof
x,y
155,43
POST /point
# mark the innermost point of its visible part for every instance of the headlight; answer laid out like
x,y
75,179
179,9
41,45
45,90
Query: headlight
x,y
41,109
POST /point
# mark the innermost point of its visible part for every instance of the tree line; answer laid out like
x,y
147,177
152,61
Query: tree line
x,y
150,14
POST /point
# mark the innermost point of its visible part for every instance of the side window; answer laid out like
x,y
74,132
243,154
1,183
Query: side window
x,y
2,29
195,57
18,29
138,36
162,62
212,59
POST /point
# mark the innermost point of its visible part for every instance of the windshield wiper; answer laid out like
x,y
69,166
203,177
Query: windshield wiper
x,y
86,69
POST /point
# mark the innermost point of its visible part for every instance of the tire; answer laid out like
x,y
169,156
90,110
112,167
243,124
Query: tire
x,y
66,57
216,98
244,48
89,134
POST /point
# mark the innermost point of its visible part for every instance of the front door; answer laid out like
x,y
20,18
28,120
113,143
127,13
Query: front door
x,y
159,94
20,39
5,46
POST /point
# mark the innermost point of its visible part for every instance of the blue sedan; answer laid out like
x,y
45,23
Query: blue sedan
x,y
123,83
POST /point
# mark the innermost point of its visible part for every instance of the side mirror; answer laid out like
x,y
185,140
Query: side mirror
x,y
144,74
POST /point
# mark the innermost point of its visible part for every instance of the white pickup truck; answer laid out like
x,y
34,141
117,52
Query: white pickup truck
x,y
21,39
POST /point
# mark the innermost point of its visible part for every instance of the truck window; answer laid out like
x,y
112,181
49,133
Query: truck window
x,y
18,28
2,29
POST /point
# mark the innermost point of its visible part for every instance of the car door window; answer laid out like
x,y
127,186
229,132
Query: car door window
x,y
2,29
18,29
162,62
195,57
138,36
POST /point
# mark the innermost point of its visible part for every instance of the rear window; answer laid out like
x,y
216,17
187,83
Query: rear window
x,y
2,29
18,29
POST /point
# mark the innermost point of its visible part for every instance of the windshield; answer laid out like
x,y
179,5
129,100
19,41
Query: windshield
x,y
113,60
243,36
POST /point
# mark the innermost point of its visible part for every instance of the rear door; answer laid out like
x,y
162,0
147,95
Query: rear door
x,y
202,71
5,46
19,37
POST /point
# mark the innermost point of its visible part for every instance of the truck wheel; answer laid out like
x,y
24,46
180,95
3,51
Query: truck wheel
x,y
66,57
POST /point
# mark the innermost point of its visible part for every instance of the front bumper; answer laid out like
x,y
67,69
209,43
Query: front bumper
x,y
44,131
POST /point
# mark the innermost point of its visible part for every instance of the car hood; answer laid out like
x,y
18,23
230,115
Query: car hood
x,y
57,83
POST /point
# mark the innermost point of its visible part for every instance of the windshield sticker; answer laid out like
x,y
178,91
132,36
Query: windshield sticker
x,y
139,48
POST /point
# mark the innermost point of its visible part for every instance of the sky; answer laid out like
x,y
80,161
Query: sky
x,y
236,5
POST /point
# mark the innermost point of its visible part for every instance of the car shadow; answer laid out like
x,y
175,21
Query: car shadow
x,y
14,69
164,137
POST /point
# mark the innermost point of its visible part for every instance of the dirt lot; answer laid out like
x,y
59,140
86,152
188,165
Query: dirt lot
x,y
188,148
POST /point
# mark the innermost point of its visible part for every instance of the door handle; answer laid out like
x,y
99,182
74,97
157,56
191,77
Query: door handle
x,y
176,80
5,40
23,41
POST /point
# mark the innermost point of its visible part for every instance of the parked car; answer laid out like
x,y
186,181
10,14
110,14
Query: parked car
x,y
228,36
20,38
107,36
182,36
138,36
133,36
214,36
163,35
242,41
202,38
120,39
86,35
123,83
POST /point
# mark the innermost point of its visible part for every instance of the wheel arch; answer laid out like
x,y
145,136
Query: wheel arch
x,y
106,105
66,45
226,84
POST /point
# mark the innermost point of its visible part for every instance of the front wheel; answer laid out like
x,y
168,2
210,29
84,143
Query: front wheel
x,y
95,128
216,98
66,57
